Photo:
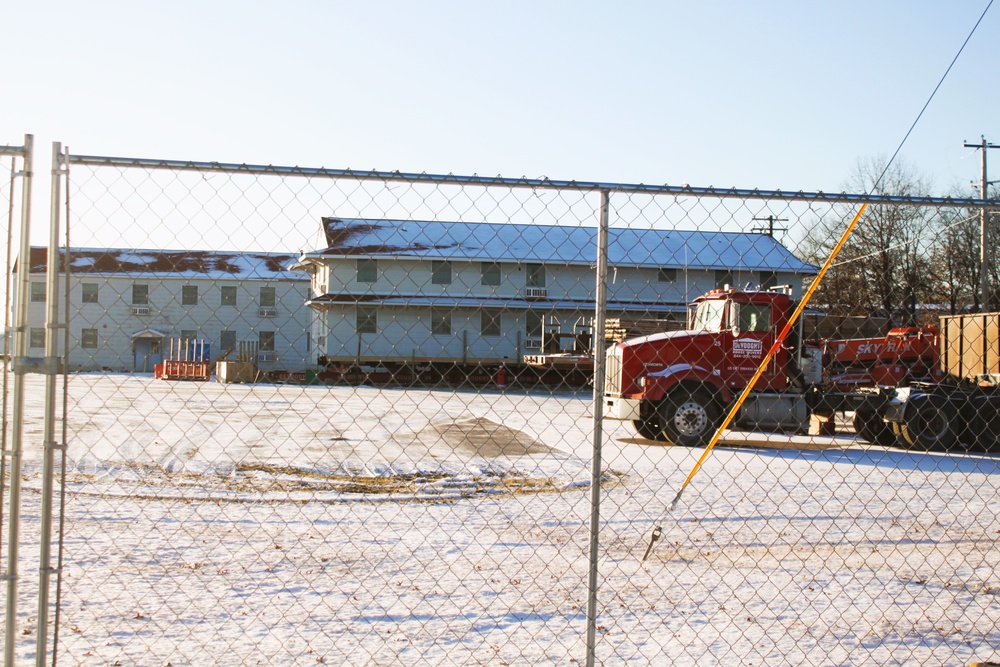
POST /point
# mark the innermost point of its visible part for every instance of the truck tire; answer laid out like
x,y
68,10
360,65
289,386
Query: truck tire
x,y
649,428
689,418
928,423
870,427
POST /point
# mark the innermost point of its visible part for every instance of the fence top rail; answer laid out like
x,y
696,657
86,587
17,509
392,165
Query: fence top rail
x,y
12,150
523,182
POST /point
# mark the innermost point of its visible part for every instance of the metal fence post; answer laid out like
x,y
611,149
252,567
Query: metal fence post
x,y
600,315
17,428
49,444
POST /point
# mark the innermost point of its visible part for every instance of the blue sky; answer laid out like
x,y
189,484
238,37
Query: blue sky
x,y
783,94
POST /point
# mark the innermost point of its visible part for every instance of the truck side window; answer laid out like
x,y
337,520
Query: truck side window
x,y
755,318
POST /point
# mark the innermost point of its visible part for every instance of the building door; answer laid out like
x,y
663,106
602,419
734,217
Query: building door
x,y
147,354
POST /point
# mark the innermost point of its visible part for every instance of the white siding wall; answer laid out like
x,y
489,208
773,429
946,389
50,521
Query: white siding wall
x,y
115,322
404,332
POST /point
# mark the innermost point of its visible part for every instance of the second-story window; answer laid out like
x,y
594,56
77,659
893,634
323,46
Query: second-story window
x,y
36,337
228,295
37,292
367,270
490,276
440,273
140,294
267,297
189,295
88,293
666,275
534,275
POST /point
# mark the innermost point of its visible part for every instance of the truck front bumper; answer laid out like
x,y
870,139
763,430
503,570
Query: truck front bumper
x,y
618,407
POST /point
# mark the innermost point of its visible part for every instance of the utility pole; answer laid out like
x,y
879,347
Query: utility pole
x,y
769,230
984,229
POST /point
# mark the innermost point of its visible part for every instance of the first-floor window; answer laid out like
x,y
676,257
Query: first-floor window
x,y
533,324
666,275
367,320
440,322
36,337
88,338
227,341
189,334
266,341
489,323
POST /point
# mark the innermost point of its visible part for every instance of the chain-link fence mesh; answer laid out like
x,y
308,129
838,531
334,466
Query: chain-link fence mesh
x,y
348,418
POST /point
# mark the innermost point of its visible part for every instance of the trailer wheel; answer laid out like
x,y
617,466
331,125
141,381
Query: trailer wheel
x,y
929,422
689,418
870,427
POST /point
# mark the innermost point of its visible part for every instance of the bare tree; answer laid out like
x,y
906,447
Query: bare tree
x,y
884,268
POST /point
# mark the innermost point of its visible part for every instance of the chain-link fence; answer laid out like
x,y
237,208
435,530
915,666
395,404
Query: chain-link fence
x,y
319,416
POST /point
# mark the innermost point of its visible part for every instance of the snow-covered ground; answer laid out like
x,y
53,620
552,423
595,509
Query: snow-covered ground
x,y
237,524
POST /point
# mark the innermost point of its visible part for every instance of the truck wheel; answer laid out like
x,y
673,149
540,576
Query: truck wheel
x,y
929,422
651,429
689,418
870,427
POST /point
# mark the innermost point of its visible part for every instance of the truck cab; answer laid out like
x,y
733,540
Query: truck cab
x,y
674,386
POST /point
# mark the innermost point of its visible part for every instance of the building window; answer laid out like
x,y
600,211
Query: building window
x,y
768,279
366,321
666,275
189,334
266,341
36,337
89,292
489,323
490,274
367,270
535,275
440,322
189,295
440,273
140,294
38,292
267,297
228,295
227,341
723,278
533,324
88,338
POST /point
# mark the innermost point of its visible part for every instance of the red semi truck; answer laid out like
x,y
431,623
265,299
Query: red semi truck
x,y
677,386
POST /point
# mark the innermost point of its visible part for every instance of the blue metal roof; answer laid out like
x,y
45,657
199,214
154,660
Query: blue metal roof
x,y
555,244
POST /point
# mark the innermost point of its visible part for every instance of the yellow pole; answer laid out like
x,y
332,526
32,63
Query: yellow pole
x,y
760,370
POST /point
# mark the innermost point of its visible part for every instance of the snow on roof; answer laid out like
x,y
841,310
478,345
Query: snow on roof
x,y
556,243
215,264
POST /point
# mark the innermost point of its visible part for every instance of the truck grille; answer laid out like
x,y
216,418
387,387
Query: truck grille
x,y
613,372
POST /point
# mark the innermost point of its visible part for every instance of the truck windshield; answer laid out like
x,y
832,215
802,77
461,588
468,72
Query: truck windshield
x,y
708,316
